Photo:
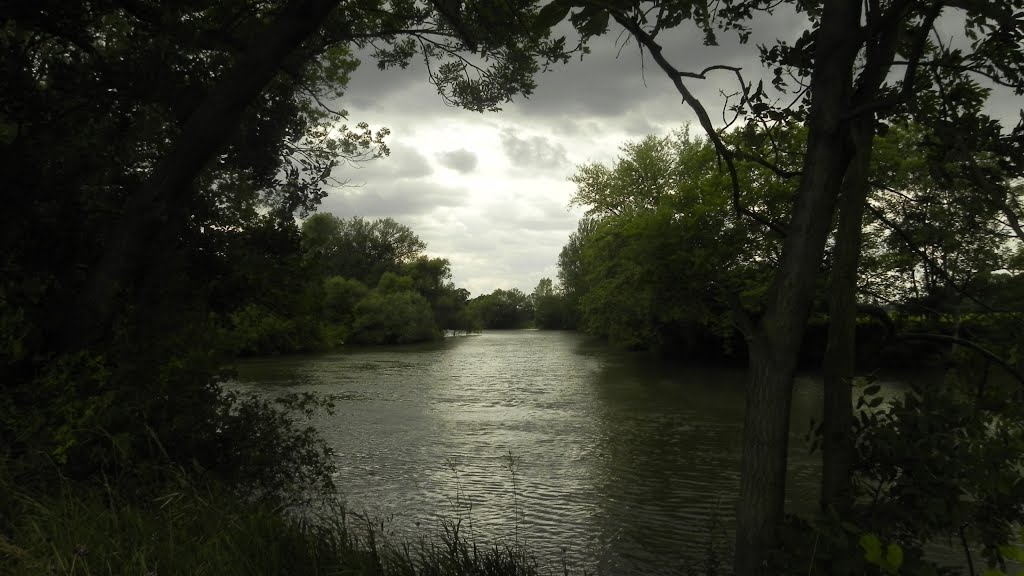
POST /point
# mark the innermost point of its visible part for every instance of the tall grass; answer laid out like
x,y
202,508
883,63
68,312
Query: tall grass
x,y
205,529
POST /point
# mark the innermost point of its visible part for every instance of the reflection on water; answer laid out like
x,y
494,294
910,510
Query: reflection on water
x,y
627,463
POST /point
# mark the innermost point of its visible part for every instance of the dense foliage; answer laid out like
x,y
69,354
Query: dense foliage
x,y
848,72
661,251
156,156
352,281
660,260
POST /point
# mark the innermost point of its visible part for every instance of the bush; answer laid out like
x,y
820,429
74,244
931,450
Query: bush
x,y
257,330
393,318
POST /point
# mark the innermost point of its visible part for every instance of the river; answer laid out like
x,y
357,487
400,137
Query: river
x,y
628,464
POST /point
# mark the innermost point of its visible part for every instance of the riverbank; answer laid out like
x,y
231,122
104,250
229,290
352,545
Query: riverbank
x,y
197,528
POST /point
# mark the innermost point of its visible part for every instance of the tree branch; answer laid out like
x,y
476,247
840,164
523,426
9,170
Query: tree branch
x,y
921,254
984,352
655,51
910,76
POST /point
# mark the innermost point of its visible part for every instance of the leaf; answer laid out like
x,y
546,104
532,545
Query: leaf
x,y
894,557
872,548
1010,552
872,390
552,14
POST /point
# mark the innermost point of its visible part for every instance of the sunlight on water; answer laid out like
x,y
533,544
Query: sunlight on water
x,y
629,464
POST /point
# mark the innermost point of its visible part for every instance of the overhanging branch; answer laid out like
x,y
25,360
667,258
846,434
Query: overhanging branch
x,y
676,76
984,352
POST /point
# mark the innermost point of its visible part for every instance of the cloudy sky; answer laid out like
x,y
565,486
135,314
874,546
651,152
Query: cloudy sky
x,y
490,191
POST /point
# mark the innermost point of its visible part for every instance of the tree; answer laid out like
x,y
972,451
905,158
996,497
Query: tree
x,y
571,275
359,248
503,309
663,251
550,308
341,296
196,123
393,313
845,59
432,277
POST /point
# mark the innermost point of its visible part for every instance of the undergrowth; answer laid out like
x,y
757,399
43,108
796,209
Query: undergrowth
x,y
201,529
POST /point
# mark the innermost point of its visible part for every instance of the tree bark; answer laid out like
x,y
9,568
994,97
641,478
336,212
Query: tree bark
x,y
840,351
777,338
132,247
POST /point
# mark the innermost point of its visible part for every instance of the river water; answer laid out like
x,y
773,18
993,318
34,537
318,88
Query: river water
x,y
626,464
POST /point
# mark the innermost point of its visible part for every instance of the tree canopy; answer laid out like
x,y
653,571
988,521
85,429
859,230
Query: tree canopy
x,y
157,155
854,67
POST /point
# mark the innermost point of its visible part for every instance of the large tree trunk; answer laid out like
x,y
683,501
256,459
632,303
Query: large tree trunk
x,y
133,246
776,340
840,352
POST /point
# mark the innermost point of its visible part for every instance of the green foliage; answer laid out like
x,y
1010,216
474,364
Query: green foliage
x,y
890,562
357,248
388,255
551,307
391,283
158,238
662,250
943,458
930,240
503,309
257,330
393,316
340,298
432,277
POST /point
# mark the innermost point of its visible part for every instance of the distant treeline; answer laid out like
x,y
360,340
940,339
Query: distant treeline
x,y
349,280
545,308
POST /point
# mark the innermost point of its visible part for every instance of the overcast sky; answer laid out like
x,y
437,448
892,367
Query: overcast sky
x,y
490,191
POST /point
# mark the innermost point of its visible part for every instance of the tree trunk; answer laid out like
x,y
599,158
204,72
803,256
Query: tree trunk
x,y
776,340
133,246
840,352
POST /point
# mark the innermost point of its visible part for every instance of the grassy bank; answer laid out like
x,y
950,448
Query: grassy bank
x,y
204,529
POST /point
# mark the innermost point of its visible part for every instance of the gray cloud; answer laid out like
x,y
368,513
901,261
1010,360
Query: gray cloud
x,y
404,162
398,199
579,112
537,213
462,161
514,239
533,152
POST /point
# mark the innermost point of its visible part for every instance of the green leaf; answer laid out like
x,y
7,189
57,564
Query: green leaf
x,y
872,390
893,557
552,14
872,548
1010,552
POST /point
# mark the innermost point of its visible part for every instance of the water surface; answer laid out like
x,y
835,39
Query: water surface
x,y
629,464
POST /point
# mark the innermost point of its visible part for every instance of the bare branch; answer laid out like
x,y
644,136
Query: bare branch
x,y
655,51
910,243
961,68
316,98
777,170
984,352
703,74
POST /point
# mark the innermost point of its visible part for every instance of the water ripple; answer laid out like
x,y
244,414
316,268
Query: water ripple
x,y
629,465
